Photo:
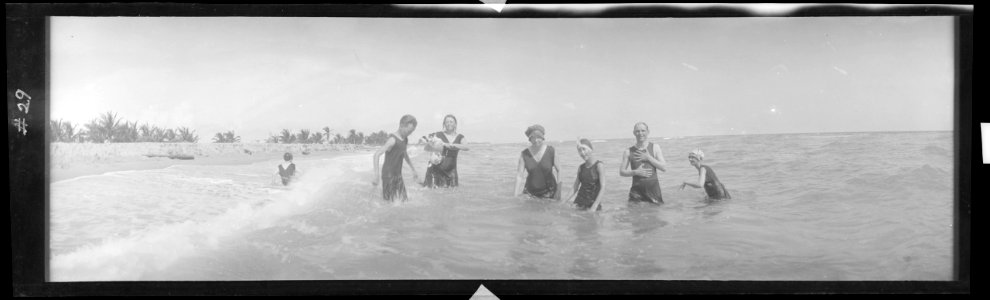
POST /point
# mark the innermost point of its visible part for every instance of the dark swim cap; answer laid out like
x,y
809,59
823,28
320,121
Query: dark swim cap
x,y
287,156
586,142
534,130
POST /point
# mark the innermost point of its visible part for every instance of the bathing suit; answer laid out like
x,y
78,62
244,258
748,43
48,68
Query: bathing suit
x,y
443,174
590,187
713,187
287,173
646,189
540,181
392,185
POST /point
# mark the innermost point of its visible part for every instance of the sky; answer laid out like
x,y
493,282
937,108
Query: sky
x,y
587,77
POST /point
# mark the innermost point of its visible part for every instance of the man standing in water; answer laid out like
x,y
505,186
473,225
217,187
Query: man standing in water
x,y
641,162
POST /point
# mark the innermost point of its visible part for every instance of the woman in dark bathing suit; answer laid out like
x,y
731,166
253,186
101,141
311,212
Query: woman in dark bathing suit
x,y
714,190
443,173
537,164
588,185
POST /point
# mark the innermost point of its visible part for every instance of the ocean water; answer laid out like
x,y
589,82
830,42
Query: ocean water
x,y
830,206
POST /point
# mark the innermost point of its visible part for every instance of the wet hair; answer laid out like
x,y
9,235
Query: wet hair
x,y
408,119
586,142
450,116
644,125
287,156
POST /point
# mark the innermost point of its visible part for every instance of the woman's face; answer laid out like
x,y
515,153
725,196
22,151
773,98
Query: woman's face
x,y
694,161
449,124
536,140
584,151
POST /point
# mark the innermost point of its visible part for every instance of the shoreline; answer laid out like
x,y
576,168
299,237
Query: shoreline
x,y
70,161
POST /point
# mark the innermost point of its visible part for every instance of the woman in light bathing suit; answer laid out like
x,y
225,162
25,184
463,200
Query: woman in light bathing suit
x,y
714,190
537,164
442,172
588,185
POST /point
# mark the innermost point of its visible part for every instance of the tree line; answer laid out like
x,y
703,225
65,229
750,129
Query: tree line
x,y
305,136
110,128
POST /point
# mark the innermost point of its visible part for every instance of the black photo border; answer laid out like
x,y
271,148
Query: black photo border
x,y
27,70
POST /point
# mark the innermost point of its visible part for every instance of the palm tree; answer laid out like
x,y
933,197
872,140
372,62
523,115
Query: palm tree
x,y
69,132
326,133
377,138
55,131
219,138
272,138
231,137
352,137
317,138
129,132
94,132
226,137
187,135
157,134
287,137
169,135
303,136
144,133
109,126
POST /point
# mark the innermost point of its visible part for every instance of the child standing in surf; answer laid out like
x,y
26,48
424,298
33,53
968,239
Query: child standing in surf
x,y
394,149
287,169
714,190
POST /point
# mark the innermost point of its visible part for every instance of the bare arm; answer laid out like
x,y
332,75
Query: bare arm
x,y
388,146
701,180
520,177
459,146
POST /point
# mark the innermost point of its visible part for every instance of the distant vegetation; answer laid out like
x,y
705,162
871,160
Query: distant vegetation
x,y
305,136
109,128
226,137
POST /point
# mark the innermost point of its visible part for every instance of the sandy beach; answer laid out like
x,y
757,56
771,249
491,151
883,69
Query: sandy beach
x,y
71,160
